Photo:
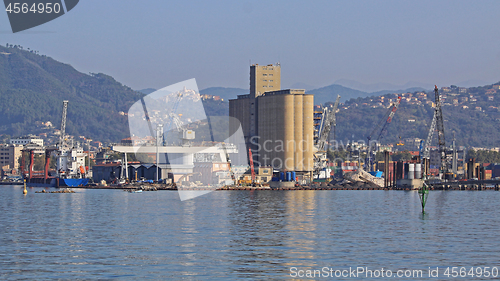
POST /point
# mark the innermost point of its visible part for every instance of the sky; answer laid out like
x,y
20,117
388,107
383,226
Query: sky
x,y
156,43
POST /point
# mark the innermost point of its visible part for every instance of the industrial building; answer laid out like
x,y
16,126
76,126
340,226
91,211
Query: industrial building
x,y
112,172
9,155
277,124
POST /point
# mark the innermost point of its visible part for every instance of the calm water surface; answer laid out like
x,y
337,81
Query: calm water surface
x,y
258,235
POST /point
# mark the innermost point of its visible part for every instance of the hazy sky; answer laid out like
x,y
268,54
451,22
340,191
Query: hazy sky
x,y
156,43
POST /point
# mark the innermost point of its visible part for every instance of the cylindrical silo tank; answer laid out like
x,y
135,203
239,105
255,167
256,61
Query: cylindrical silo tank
x,y
411,171
418,171
289,136
308,131
299,133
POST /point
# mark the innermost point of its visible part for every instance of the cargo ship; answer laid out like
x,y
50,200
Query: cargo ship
x,y
70,170
70,166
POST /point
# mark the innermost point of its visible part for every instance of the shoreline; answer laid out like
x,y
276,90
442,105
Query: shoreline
x,y
320,186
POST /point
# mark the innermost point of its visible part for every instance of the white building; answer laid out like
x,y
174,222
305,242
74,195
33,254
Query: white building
x,y
27,140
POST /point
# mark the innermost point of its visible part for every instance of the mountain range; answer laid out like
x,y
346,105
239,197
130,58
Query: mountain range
x,y
321,95
33,86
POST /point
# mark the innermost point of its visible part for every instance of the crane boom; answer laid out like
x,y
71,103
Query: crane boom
x,y
327,121
63,123
390,114
384,122
426,149
334,119
174,118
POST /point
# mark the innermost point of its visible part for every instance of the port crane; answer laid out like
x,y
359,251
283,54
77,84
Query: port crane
x,y
443,168
328,120
174,119
383,123
426,147
173,116
63,124
231,172
252,169
186,134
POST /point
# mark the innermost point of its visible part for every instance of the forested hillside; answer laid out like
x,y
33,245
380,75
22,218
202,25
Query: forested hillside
x,y
471,114
32,88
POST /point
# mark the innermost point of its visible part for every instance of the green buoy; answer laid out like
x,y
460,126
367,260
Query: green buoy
x,y
423,193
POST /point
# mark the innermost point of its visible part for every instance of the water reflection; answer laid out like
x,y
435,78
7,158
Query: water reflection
x,y
106,234
302,244
257,231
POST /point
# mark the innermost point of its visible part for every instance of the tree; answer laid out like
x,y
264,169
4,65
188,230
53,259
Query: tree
x,y
335,155
402,156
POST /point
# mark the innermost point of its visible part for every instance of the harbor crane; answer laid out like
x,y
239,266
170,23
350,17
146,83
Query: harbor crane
x,y
383,123
437,123
252,169
443,167
181,128
174,118
426,147
63,124
328,120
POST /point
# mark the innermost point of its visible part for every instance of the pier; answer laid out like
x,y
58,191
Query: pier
x,y
467,185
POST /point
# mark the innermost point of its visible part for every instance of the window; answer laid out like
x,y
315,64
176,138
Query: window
x,y
270,74
271,80
265,74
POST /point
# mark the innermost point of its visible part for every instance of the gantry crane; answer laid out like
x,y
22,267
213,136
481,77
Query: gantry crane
x,y
383,123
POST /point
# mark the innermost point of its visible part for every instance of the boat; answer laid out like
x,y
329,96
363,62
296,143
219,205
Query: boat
x,y
73,182
70,166
135,191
